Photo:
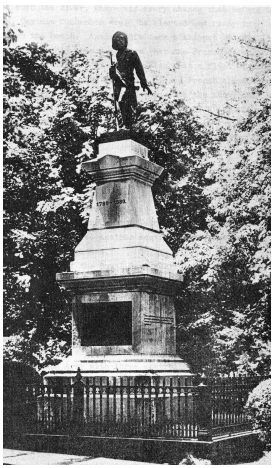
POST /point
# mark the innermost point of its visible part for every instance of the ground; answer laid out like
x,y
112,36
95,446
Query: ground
x,y
265,460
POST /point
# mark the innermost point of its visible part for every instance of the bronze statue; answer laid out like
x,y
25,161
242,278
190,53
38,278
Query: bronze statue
x,y
122,75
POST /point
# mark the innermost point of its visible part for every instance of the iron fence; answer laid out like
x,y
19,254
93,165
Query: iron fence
x,y
120,407
228,398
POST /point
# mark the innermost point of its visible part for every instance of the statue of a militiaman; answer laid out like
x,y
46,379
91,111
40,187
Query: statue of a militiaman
x,y
122,75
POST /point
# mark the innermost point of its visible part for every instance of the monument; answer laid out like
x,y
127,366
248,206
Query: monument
x,y
123,279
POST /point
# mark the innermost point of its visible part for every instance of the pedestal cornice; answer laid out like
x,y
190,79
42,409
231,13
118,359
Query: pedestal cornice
x,y
129,279
115,168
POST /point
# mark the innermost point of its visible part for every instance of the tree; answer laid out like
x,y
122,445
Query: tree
x,y
177,141
41,142
226,266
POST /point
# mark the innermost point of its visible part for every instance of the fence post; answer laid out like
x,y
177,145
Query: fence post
x,y
204,412
78,399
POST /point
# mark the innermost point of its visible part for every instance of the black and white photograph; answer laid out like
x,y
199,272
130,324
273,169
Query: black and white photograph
x,y
136,229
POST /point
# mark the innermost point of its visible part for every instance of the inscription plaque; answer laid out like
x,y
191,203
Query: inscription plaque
x,y
106,324
149,319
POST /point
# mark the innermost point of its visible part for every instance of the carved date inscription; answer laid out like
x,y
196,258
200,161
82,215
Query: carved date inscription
x,y
113,202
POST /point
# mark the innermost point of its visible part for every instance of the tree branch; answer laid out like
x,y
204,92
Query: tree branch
x,y
247,58
231,105
256,47
216,115
249,120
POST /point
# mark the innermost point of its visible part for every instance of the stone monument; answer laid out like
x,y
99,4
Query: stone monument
x,y
123,279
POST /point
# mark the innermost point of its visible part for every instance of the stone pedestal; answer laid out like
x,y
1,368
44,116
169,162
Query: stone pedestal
x,y
123,279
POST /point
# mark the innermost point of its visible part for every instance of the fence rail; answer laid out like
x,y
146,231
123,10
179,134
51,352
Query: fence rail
x,y
228,398
116,407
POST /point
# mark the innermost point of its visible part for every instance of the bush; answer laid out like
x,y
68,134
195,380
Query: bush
x,y
258,408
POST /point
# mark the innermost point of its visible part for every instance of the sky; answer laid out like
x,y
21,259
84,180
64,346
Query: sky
x,y
162,35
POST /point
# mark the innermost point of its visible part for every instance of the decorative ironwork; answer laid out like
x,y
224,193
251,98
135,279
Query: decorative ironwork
x,y
117,406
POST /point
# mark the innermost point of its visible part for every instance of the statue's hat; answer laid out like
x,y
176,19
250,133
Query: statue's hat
x,y
115,36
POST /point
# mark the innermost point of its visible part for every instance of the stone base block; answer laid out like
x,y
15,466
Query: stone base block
x,y
123,148
121,366
242,448
124,247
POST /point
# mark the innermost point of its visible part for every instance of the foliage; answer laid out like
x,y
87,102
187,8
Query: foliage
x,y
259,409
227,265
177,142
41,141
31,352
10,30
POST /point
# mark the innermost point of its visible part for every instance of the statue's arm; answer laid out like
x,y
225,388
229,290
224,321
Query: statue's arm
x,y
140,72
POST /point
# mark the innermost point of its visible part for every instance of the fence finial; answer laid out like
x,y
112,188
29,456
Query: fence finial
x,y
78,375
203,380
